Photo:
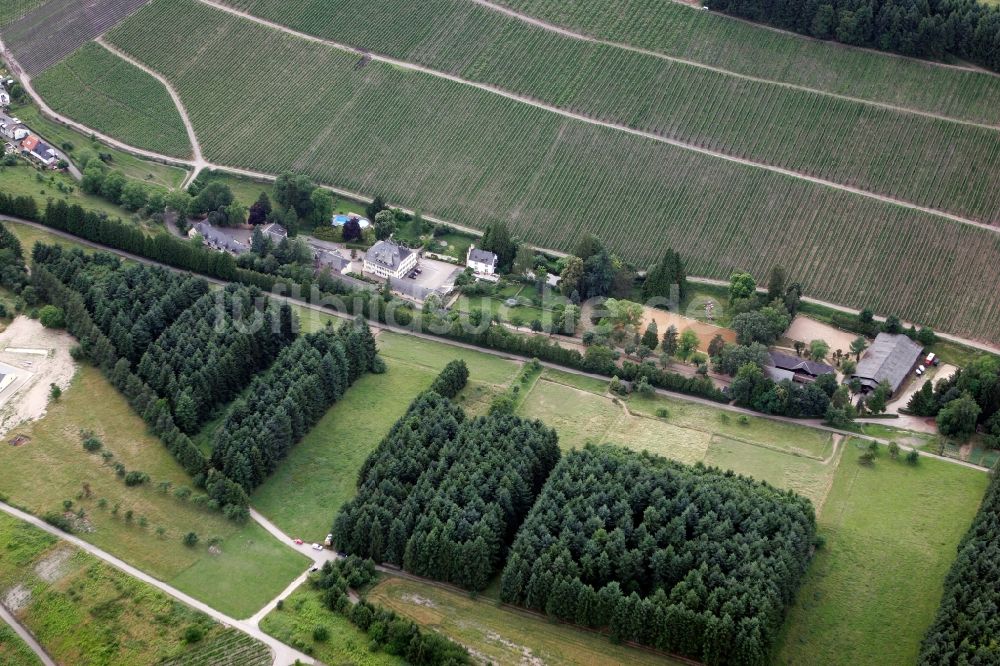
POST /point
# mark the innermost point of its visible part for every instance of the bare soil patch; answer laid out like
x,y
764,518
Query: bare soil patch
x,y
806,330
53,567
17,598
705,331
27,397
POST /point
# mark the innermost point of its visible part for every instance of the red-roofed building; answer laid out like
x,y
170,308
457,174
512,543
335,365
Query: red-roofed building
x,y
29,143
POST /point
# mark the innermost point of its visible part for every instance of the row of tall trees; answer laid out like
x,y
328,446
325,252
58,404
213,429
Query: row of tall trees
x,y
443,497
685,559
283,403
209,354
388,632
939,29
753,389
13,272
132,304
967,624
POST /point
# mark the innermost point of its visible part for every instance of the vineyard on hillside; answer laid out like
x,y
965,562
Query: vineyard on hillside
x,y
11,10
474,157
47,34
100,90
930,162
679,30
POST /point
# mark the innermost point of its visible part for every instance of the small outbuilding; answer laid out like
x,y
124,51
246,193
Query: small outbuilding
x,y
890,358
801,369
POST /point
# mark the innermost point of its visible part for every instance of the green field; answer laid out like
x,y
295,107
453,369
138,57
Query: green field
x,y
502,635
304,611
321,472
252,567
83,611
13,650
788,456
891,533
738,46
719,215
98,89
23,179
152,173
890,152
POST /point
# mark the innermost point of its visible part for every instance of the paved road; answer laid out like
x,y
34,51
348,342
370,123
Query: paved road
x,y
26,636
325,312
524,99
283,654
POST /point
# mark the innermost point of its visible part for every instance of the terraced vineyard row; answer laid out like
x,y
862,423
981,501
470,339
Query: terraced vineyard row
x,y
50,32
934,163
100,90
474,157
11,10
229,647
712,39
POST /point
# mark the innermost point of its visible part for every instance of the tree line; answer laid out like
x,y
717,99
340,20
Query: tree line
x,y
284,402
388,631
689,560
940,29
967,623
442,496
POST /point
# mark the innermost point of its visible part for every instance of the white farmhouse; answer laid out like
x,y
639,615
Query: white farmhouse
x,y
4,96
480,261
387,259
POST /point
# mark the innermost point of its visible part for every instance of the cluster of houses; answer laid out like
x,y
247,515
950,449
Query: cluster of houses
x,y
18,138
891,358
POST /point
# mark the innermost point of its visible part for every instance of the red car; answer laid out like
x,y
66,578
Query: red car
x,y
298,542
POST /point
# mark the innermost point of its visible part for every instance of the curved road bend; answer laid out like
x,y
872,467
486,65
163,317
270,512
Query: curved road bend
x,y
812,423
283,654
403,64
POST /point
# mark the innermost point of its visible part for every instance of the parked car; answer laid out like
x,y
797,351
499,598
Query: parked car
x,y
316,546
298,542
920,371
313,569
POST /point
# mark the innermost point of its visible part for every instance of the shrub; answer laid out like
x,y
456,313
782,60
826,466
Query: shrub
x,y
193,634
59,521
190,539
92,444
136,478
321,634
52,317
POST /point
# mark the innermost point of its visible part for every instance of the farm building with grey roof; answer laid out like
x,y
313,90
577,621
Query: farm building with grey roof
x,y
890,358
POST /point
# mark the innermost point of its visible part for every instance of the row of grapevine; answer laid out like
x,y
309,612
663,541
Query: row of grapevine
x,y
719,41
931,162
474,157
43,37
99,89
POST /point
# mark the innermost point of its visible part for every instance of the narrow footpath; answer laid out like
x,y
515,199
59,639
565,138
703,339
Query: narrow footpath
x,y
26,636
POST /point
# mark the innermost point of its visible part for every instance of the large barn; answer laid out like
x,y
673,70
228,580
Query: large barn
x,y
891,358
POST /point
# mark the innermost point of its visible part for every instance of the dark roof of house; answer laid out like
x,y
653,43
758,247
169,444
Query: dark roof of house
x,y
796,364
43,149
219,239
387,254
334,260
482,256
891,357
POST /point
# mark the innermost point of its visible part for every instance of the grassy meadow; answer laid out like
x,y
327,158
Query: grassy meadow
x,y
84,611
13,650
303,611
252,566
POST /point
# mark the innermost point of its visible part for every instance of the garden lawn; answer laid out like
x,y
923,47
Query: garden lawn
x,y
23,180
483,367
321,472
53,467
152,173
84,611
503,635
303,612
891,532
